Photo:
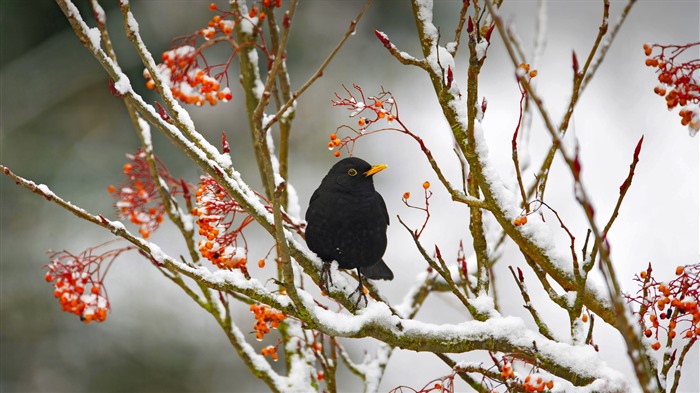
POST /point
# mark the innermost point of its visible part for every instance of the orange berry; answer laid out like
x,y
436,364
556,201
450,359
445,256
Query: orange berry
x,y
648,332
212,7
680,270
672,334
150,84
110,189
689,334
330,145
48,277
525,67
523,221
406,195
550,384
337,153
426,185
584,318
527,379
253,11
95,289
361,122
378,104
262,16
643,274
334,137
655,346
533,73
261,263
381,115
127,168
336,142
390,117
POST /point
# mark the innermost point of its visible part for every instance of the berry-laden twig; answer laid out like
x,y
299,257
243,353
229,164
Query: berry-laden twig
x,y
266,318
217,213
522,72
188,74
383,107
138,198
369,109
427,194
669,306
72,275
438,385
679,80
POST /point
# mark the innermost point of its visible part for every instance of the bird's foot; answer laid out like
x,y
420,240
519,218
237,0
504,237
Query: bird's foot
x,y
360,292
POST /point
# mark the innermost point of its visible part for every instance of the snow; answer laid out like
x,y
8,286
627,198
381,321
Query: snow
x,y
145,130
94,36
481,47
293,206
131,22
122,84
259,87
45,190
99,12
93,33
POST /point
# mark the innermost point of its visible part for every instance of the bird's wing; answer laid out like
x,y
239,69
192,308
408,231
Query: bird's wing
x,y
386,213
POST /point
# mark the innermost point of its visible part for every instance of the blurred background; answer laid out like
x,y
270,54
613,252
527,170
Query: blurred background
x,y
60,126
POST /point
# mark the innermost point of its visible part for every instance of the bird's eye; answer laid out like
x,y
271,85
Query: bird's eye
x,y
352,172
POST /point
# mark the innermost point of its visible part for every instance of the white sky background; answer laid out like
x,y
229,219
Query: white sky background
x,y
658,222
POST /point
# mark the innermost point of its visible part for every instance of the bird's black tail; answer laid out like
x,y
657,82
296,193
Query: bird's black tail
x,y
378,271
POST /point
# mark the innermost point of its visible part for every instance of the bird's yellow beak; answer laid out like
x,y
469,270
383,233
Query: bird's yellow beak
x,y
375,169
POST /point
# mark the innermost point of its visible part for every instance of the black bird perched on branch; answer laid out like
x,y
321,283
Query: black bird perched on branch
x,y
347,221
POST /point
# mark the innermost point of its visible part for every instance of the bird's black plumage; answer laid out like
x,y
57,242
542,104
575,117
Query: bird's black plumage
x,y
347,220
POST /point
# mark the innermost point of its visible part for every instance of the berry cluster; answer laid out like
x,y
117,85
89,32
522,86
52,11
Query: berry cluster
x,y
372,109
77,281
271,351
679,81
673,304
186,80
217,25
534,383
266,317
138,198
524,69
520,220
217,212
507,371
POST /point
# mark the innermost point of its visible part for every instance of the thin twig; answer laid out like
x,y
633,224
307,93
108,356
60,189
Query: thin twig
x,y
318,72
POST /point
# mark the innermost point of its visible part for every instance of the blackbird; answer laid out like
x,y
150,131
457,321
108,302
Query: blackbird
x,y
347,221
